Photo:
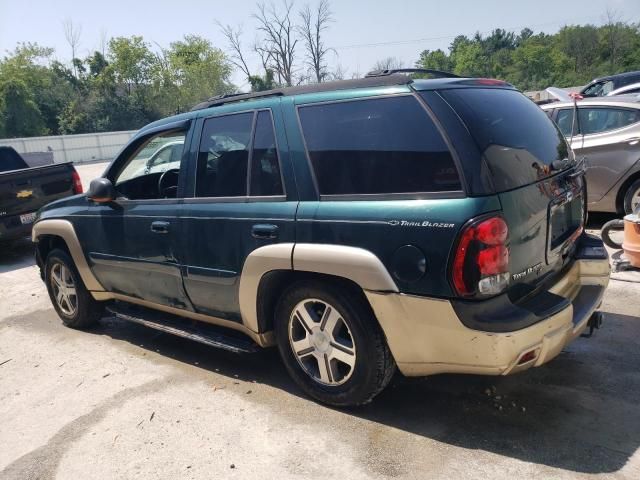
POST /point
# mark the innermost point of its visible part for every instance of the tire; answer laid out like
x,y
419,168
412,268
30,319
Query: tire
x,y
77,310
605,233
369,365
632,192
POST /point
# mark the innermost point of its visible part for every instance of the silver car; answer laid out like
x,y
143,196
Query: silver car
x,y
607,133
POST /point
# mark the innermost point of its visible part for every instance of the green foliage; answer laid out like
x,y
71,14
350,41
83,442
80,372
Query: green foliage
x,y
260,84
573,56
124,89
132,83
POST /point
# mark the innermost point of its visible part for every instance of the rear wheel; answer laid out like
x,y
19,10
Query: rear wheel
x,y
331,344
632,197
70,298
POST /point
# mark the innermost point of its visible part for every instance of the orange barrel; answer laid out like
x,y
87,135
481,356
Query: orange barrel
x,y
631,243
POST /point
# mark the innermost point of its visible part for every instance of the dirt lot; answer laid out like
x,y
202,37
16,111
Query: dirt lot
x,y
121,401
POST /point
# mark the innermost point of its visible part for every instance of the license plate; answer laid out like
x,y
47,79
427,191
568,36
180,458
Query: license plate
x,y
28,218
565,220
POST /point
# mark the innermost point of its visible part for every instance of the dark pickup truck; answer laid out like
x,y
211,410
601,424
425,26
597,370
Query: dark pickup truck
x,y
24,190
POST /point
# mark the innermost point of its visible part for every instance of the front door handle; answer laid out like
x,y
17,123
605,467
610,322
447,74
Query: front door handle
x,y
633,141
264,231
160,227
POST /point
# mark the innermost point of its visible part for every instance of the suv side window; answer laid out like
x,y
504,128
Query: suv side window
x,y
231,154
564,120
598,120
136,180
377,146
265,169
224,156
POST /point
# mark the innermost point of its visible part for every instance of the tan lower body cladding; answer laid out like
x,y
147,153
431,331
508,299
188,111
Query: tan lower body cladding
x,y
426,336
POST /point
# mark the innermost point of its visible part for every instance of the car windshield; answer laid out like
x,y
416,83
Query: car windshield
x,y
599,89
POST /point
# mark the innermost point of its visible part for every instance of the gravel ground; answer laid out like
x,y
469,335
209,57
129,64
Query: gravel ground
x,y
124,402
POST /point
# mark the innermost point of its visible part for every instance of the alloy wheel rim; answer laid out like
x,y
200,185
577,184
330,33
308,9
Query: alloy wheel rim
x,y
64,289
322,342
635,200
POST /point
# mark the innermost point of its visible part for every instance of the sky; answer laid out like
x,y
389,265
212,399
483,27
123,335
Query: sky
x,y
362,33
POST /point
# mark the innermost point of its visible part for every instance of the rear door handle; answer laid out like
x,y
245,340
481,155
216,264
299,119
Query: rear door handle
x,y
633,141
264,231
160,227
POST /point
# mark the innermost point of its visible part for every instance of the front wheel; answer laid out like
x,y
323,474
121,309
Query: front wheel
x,y
70,298
331,344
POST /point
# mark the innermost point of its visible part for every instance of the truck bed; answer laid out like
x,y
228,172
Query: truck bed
x,y
24,191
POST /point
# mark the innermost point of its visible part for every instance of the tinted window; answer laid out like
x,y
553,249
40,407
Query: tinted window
x,y
10,160
598,120
224,156
520,144
265,171
387,145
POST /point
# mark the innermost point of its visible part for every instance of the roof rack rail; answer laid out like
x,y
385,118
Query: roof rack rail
x,y
234,97
435,73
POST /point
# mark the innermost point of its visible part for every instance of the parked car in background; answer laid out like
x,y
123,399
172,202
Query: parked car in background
x,y
24,190
603,86
433,226
607,134
632,88
166,156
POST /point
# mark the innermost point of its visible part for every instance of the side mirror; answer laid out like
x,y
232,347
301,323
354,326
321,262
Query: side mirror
x,y
101,191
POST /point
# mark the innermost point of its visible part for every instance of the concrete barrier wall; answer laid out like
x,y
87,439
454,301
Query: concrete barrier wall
x,y
88,147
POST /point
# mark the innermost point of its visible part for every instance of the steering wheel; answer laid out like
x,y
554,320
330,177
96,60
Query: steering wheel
x,y
168,175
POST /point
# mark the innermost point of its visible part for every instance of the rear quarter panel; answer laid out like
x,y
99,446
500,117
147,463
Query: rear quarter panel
x,y
383,226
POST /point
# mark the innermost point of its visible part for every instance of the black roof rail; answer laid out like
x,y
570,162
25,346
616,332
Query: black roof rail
x,y
367,82
391,71
234,97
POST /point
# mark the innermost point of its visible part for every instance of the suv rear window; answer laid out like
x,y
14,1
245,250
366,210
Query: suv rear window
x,y
520,144
10,160
377,146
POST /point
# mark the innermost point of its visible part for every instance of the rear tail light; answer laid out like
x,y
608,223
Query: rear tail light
x,y
77,183
481,262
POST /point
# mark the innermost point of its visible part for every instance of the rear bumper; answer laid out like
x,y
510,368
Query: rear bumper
x,y
11,228
426,336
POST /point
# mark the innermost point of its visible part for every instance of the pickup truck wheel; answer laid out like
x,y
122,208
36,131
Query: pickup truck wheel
x,y
70,298
331,344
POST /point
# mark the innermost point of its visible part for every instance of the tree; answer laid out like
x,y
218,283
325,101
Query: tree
x,y
41,86
72,35
314,23
131,61
435,60
279,40
200,71
20,114
389,63
580,43
237,56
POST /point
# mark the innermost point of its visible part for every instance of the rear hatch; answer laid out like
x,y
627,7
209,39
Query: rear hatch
x,y
540,187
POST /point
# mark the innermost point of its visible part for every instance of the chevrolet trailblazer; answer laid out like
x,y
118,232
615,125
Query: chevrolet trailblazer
x,y
361,226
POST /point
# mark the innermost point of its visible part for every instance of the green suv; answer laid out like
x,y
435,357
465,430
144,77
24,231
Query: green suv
x,y
429,225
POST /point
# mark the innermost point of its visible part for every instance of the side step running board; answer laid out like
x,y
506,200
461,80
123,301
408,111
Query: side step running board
x,y
200,332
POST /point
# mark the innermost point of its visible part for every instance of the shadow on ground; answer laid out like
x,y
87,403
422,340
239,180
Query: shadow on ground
x,y
16,254
577,413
